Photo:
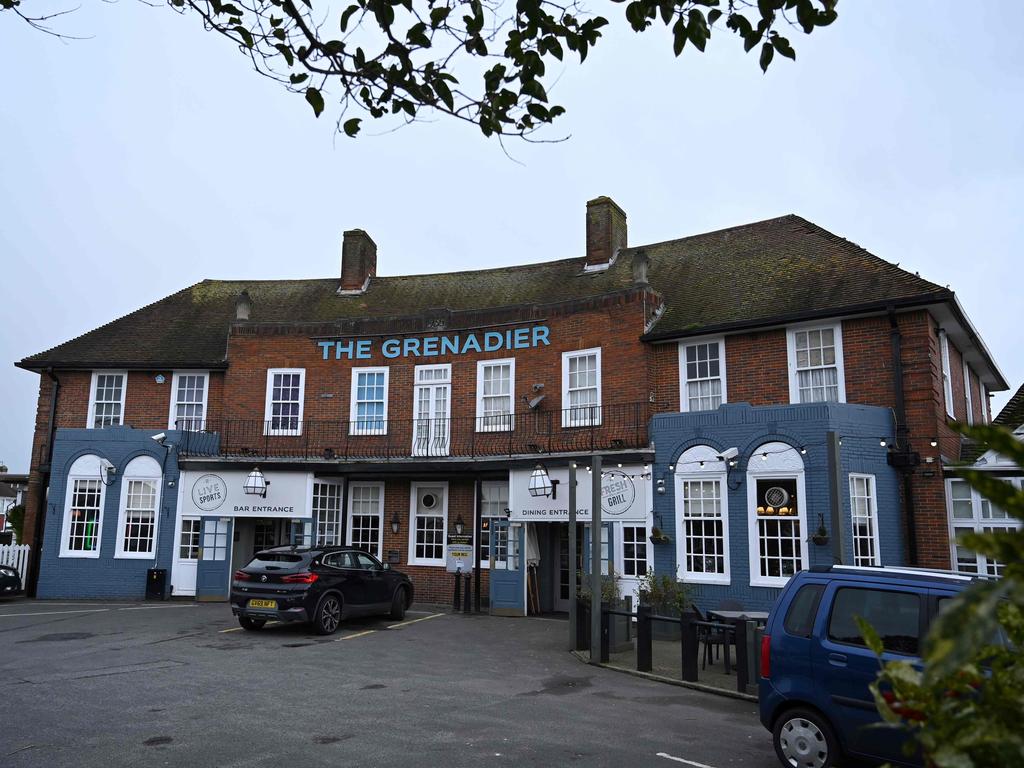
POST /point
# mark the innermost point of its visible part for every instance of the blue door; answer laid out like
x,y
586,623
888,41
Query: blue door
x,y
507,569
213,569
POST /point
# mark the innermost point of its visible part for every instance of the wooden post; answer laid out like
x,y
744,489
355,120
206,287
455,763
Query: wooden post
x,y
595,561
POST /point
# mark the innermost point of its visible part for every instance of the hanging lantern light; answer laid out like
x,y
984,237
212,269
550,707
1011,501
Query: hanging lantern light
x,y
256,484
540,482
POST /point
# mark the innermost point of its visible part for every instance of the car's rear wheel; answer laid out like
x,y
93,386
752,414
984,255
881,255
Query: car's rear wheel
x,y
250,623
804,739
328,616
398,604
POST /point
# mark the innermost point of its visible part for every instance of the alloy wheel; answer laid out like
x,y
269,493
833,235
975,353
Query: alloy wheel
x,y
330,615
803,744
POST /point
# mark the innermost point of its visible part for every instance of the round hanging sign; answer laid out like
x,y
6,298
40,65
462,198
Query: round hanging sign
x,y
209,492
617,493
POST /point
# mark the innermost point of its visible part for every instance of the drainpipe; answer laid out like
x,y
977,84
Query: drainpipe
x,y
902,441
41,506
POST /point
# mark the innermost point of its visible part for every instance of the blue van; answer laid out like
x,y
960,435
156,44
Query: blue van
x,y
815,667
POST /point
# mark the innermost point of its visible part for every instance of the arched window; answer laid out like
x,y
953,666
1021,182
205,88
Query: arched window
x,y
140,503
702,517
778,514
83,507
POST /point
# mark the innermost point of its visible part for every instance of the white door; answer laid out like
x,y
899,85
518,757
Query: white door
x,y
186,553
431,410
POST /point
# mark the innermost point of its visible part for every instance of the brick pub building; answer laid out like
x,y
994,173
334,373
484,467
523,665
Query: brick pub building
x,y
767,397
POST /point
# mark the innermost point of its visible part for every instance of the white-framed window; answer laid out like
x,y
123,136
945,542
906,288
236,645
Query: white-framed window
x,y
366,517
106,399
286,389
188,542
702,517
428,513
581,388
702,374
82,530
947,379
431,410
495,394
777,514
816,364
984,401
634,551
327,512
139,508
970,512
189,392
968,397
368,407
864,513
494,502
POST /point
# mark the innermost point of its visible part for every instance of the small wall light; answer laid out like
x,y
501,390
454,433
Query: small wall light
x,y
396,523
256,484
661,485
934,442
881,442
460,525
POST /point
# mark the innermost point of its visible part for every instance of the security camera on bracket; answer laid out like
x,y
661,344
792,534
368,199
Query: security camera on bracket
x,y
728,454
533,402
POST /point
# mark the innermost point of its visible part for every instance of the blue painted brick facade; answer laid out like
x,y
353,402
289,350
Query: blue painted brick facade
x,y
744,427
106,576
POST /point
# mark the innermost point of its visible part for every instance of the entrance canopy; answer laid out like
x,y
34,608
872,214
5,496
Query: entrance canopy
x,y
625,496
220,494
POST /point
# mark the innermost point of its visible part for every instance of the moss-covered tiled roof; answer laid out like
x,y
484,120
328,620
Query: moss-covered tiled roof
x,y
779,268
1012,415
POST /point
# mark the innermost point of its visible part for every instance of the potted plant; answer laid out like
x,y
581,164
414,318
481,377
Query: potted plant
x,y
667,597
620,637
658,536
820,536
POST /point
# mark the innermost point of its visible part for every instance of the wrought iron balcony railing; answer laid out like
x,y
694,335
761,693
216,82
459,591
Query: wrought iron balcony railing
x,y
574,430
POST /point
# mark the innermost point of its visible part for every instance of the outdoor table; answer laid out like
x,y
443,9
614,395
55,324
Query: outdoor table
x,y
734,617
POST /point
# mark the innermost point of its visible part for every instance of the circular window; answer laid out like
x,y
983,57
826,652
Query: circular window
x,y
428,500
776,496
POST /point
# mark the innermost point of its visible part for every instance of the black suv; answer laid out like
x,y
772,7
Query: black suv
x,y
321,585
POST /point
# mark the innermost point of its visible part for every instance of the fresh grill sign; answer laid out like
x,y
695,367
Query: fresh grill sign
x,y
433,346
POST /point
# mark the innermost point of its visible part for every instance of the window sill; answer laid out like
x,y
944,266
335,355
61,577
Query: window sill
x,y
270,432
135,555
81,555
367,432
699,578
428,563
774,583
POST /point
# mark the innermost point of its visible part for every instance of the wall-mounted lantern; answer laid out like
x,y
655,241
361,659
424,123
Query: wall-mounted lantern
x,y
541,483
256,484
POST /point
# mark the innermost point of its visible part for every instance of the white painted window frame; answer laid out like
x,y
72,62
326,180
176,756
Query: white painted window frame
x,y
968,397
87,467
172,415
713,471
414,488
684,398
984,400
91,416
136,470
620,548
503,425
353,416
268,404
753,536
976,523
485,562
567,420
349,514
872,516
947,378
794,379
313,524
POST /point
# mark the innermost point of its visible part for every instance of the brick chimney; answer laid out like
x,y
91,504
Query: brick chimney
x,y
358,261
606,232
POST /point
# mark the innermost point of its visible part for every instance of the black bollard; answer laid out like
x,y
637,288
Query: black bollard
x,y
457,601
644,639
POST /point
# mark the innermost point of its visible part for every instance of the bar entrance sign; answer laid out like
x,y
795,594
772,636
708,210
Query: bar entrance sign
x,y
459,554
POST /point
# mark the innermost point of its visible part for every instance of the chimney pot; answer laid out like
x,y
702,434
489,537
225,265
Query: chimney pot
x,y
606,232
243,306
640,267
358,261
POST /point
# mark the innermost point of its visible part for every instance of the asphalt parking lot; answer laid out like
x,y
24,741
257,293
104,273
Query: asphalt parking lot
x,y
178,684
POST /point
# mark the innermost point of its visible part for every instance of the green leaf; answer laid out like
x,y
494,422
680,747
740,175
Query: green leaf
x,y
347,16
871,638
767,51
444,93
286,52
246,36
351,127
315,99
298,77
782,45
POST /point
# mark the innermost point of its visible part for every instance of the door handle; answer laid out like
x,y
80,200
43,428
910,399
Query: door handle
x,y
837,659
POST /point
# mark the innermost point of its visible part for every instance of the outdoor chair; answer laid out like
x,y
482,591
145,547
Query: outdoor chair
x,y
712,637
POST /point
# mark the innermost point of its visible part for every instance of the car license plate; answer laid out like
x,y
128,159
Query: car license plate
x,y
271,604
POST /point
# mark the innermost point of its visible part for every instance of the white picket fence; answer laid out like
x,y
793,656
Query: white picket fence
x,y
16,555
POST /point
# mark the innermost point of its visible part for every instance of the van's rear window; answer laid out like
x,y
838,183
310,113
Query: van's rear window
x,y
276,557
803,609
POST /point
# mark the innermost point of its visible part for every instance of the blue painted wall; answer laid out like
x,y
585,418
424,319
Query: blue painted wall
x,y
739,425
106,576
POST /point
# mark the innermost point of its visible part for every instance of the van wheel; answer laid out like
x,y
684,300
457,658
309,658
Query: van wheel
x,y
804,739
398,605
251,624
328,616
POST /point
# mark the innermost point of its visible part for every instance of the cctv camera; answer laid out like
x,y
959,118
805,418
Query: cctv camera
x,y
160,437
729,453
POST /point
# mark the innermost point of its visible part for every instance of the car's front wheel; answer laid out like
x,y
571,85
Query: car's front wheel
x,y
328,616
804,739
398,604
251,624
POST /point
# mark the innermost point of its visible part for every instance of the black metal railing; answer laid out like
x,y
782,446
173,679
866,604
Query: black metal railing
x,y
573,430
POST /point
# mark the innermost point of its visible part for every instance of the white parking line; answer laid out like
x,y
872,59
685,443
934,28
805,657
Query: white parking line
x,y
53,613
155,607
681,760
413,621
357,634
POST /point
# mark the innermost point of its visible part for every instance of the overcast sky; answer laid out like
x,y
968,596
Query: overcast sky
x,y
150,157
